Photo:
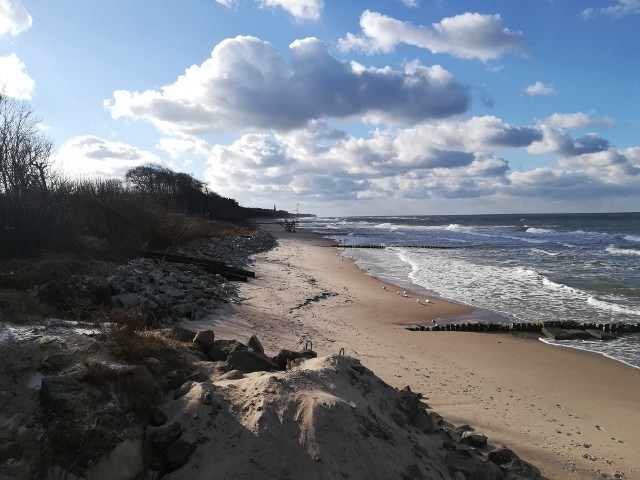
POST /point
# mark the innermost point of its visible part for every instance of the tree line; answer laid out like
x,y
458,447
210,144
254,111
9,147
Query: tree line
x,y
152,206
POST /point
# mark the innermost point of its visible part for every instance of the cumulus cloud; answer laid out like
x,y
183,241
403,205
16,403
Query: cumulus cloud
x,y
246,83
14,18
410,3
469,36
539,89
299,9
451,159
14,80
91,156
620,9
576,120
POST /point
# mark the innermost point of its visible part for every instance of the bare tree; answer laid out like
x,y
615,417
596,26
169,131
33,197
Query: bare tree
x,y
25,163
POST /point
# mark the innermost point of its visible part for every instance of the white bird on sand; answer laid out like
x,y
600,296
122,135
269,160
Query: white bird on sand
x,y
405,292
384,287
398,293
418,300
427,301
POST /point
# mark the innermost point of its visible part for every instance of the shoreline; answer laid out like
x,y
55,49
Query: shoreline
x,y
508,388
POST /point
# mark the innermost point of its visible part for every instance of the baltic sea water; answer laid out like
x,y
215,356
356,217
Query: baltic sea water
x,y
582,267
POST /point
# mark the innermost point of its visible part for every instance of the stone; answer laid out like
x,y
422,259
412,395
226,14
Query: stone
x,y
473,439
183,334
178,454
556,333
10,450
285,356
255,344
601,334
206,396
510,462
169,280
124,462
462,461
221,349
140,380
184,309
55,361
502,456
132,285
198,377
158,418
183,390
204,340
162,437
232,375
127,300
488,471
249,361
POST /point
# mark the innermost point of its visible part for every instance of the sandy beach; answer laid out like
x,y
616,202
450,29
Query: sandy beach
x,y
568,412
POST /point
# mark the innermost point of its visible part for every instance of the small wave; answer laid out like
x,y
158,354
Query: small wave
x,y
544,252
612,307
558,286
632,238
538,230
525,240
622,251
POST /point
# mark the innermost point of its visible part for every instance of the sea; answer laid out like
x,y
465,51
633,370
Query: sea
x,y
513,268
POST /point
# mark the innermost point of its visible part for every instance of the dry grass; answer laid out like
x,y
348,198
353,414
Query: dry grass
x,y
127,337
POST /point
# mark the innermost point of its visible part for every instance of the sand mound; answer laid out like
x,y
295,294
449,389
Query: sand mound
x,y
328,418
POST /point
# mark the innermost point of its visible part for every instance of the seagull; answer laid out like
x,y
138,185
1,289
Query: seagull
x,y
384,288
418,300
405,292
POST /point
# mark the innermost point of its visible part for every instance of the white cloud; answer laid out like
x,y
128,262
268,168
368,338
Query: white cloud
x,y
539,89
91,156
410,3
14,80
300,9
575,120
14,18
246,83
621,9
469,35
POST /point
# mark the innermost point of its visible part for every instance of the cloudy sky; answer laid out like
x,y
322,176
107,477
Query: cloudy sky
x,y
345,107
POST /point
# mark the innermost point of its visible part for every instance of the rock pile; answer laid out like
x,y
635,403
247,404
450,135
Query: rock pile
x,y
166,291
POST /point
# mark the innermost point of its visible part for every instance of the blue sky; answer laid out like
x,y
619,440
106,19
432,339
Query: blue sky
x,y
343,107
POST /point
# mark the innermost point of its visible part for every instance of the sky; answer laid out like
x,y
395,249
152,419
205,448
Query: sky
x,y
343,107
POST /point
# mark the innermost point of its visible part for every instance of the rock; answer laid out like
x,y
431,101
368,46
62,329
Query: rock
x,y
205,340
502,456
286,356
162,437
198,377
58,391
55,361
183,334
140,380
255,344
399,417
509,461
184,309
206,396
123,463
183,390
464,428
462,461
158,418
249,361
10,450
221,349
178,454
132,285
153,365
169,280
127,300
232,375
473,439
488,471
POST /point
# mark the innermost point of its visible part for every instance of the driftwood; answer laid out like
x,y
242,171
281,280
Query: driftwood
x,y
214,266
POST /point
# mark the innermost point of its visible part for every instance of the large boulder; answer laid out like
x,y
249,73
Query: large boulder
x,y
60,392
125,462
248,361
